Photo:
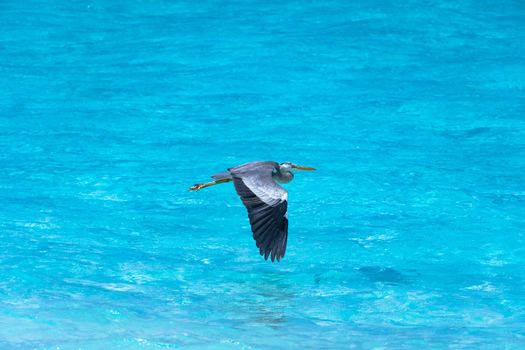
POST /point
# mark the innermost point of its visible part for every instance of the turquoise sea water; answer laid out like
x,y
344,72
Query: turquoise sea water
x,y
410,235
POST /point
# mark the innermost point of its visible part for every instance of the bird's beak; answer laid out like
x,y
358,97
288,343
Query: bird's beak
x,y
299,167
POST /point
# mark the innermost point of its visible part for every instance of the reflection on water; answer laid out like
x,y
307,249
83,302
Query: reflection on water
x,y
267,300
383,274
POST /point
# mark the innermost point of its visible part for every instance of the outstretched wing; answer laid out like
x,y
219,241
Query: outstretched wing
x,y
267,205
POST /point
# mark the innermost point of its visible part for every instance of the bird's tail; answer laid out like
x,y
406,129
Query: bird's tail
x,y
223,175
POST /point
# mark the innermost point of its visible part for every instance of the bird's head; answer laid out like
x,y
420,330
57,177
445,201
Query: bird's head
x,y
291,167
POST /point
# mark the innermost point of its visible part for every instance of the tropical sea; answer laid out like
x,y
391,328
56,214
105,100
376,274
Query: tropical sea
x,y
410,234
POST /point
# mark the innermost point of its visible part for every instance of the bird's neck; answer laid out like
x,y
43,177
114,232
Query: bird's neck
x,y
283,177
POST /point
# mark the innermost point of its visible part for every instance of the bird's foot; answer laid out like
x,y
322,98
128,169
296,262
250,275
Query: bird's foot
x,y
196,187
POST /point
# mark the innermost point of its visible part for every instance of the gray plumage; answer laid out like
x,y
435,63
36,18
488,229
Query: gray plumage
x,y
267,205
265,201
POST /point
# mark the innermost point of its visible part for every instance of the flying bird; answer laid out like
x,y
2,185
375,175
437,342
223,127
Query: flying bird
x,y
266,201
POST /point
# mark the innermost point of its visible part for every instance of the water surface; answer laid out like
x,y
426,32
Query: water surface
x,y
409,235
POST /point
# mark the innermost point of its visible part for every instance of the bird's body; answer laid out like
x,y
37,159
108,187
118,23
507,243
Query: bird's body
x,y
266,201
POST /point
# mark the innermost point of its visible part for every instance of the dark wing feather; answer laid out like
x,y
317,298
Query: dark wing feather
x,y
267,205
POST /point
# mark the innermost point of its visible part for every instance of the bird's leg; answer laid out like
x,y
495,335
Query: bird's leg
x,y
208,184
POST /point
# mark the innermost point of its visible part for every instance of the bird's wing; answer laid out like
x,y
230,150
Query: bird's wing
x,y
267,205
244,168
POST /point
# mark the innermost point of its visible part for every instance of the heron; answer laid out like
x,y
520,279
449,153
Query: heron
x,y
267,202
